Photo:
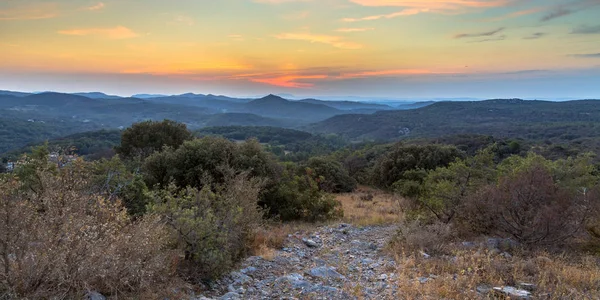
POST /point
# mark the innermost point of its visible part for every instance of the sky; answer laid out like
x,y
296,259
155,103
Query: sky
x,y
367,48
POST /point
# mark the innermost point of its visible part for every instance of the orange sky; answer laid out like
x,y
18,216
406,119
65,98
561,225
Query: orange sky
x,y
392,48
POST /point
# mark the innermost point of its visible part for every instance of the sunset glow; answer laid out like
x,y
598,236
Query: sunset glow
x,y
380,48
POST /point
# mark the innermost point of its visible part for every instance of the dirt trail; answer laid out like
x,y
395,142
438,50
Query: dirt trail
x,y
335,262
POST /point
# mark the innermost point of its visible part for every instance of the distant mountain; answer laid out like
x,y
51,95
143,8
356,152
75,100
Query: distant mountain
x,y
348,105
16,94
503,118
245,119
275,106
148,96
97,95
413,105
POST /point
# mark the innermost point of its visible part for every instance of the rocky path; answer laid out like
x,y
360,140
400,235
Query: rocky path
x,y
335,262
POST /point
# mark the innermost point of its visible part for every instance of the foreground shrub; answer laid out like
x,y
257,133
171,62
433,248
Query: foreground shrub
x,y
61,240
391,167
413,236
333,177
298,197
212,225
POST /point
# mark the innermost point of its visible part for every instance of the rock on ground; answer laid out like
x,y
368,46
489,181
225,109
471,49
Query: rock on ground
x,y
336,262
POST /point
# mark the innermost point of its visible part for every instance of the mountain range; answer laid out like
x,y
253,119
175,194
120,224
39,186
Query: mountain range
x,y
27,117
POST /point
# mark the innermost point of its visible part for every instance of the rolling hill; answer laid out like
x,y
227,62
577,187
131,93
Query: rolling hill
x,y
504,118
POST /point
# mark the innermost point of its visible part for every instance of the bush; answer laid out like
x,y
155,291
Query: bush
x,y
112,179
333,177
532,208
213,227
391,167
143,139
416,235
298,197
205,160
61,240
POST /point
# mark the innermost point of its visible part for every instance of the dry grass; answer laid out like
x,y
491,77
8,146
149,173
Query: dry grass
x,y
457,276
360,210
269,238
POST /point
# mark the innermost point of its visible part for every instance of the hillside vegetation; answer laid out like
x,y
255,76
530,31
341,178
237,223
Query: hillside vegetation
x,y
171,210
514,118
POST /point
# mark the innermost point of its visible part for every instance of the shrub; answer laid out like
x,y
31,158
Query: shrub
x,y
534,210
143,139
298,197
62,240
112,179
416,235
213,226
445,189
334,178
207,160
390,168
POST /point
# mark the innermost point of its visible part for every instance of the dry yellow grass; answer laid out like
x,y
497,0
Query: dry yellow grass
x,y
362,210
458,276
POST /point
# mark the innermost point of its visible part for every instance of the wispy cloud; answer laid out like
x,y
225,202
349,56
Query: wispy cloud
x,y
492,39
479,34
384,73
586,55
118,32
183,19
535,36
301,15
334,41
516,14
30,12
412,7
584,29
568,9
404,12
289,81
354,29
236,37
98,6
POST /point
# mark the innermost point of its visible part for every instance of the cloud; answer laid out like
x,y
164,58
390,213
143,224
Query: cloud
x,y
301,15
116,33
334,41
98,6
535,36
182,19
279,1
516,14
404,12
568,9
557,13
236,37
586,30
354,29
586,55
30,12
290,81
382,73
493,39
435,4
478,34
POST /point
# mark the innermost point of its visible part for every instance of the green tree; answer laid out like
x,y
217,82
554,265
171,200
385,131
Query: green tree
x,y
445,189
297,196
333,178
401,158
143,139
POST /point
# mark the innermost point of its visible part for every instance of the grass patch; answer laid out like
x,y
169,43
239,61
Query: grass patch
x,y
368,206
